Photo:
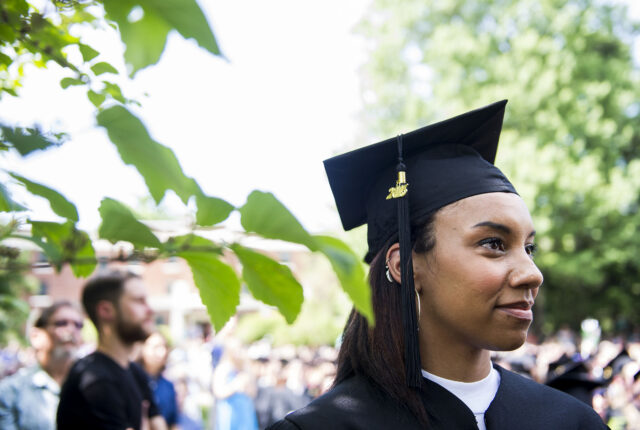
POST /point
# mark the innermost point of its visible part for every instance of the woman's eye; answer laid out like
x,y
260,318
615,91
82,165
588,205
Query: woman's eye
x,y
493,243
531,249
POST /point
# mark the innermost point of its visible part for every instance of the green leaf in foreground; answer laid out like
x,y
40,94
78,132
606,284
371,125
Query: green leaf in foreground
x,y
7,204
118,223
59,204
350,272
191,243
156,163
145,40
96,98
27,140
84,261
265,215
103,67
271,282
88,53
218,284
67,82
211,210
186,17
64,243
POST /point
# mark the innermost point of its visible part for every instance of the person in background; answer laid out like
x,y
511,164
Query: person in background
x,y
105,390
153,359
233,388
274,400
29,398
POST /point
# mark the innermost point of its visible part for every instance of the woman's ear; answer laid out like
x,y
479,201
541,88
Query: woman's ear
x,y
393,262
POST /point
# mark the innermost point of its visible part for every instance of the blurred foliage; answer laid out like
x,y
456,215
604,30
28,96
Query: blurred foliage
x,y
49,32
571,137
15,286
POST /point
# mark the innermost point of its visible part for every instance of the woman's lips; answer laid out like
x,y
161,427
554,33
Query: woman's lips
x,y
520,310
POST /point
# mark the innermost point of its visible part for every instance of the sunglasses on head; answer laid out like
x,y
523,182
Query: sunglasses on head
x,y
64,323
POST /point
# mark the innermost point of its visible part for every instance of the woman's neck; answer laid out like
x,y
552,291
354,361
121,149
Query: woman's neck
x,y
455,361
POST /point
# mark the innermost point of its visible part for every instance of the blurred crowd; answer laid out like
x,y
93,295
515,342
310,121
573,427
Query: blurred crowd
x,y
216,382
604,373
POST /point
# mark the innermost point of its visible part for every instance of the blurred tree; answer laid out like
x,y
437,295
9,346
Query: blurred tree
x,y
48,34
571,137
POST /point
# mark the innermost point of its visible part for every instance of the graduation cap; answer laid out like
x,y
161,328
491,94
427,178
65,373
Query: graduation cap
x,y
396,184
573,378
615,366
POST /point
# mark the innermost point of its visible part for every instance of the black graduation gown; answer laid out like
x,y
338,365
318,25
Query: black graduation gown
x,y
520,403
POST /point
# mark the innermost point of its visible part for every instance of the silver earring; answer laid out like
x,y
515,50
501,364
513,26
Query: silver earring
x,y
386,266
388,275
418,305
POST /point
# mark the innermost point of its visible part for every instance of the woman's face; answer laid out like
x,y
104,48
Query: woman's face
x,y
478,284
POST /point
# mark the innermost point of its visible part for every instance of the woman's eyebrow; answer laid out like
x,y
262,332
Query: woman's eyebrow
x,y
501,227
494,225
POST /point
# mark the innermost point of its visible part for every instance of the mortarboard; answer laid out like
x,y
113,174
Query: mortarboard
x,y
615,366
573,378
395,184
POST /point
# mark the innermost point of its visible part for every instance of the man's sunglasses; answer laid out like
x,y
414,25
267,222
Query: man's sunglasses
x,y
64,323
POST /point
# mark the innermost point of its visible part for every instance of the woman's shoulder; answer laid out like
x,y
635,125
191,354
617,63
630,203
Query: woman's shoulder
x,y
353,403
530,402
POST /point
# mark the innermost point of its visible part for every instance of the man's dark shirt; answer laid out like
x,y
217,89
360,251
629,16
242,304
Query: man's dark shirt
x,y
100,394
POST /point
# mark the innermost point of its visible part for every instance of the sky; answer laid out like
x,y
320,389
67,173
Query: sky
x,y
285,98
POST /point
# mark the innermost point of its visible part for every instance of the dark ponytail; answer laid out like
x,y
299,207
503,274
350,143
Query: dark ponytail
x,y
378,353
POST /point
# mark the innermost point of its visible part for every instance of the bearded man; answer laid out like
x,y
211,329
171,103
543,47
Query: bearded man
x,y
29,399
105,390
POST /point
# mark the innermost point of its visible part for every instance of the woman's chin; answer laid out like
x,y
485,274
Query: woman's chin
x,y
510,342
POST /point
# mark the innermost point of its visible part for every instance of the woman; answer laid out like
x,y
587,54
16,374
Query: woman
x,y
234,388
452,279
153,358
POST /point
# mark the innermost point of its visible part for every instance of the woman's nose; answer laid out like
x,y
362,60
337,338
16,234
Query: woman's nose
x,y
526,274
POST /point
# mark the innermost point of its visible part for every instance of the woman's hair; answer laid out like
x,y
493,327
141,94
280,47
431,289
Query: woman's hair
x,y
378,353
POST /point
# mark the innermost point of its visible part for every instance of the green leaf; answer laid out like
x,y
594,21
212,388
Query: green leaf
x,y
7,33
145,38
53,252
271,282
350,272
59,204
88,53
114,91
5,59
211,210
156,163
191,242
145,41
27,140
67,82
7,204
84,262
265,215
103,67
64,243
218,284
118,223
96,98
186,17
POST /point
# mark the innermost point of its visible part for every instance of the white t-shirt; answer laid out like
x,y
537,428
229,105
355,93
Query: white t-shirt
x,y
476,395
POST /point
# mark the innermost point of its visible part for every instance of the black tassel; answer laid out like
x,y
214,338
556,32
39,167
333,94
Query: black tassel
x,y
409,318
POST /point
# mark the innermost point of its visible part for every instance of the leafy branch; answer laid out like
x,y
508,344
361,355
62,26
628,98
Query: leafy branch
x,y
143,26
